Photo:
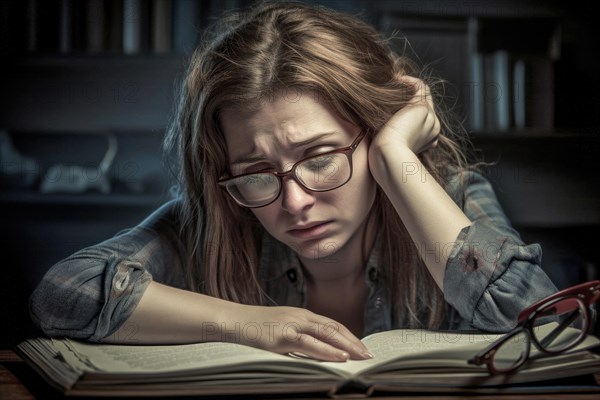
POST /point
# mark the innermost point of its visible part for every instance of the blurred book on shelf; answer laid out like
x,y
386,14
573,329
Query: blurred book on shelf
x,y
125,27
161,26
517,74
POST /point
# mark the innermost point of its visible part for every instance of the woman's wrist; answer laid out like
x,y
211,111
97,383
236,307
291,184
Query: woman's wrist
x,y
227,321
386,157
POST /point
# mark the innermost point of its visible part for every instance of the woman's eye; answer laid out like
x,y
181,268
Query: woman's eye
x,y
320,162
258,180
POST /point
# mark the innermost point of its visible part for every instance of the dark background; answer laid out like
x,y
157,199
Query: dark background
x,y
63,94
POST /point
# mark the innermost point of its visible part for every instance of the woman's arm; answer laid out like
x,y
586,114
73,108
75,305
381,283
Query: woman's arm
x,y
431,217
485,270
170,315
492,274
91,293
110,292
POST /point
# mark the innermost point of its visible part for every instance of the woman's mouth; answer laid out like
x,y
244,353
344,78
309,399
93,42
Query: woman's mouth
x,y
311,230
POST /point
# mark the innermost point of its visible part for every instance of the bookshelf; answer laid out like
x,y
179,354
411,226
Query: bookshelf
x,y
510,66
500,70
121,27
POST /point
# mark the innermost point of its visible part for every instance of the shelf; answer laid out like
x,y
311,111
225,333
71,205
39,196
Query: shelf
x,y
91,93
175,61
496,9
535,134
543,178
84,199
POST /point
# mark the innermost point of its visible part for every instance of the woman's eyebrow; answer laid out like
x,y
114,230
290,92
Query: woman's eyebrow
x,y
256,157
306,142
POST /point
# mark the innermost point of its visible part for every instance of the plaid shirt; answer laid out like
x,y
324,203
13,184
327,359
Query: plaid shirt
x,y
490,275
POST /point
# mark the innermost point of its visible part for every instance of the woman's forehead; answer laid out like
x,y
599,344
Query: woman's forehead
x,y
281,122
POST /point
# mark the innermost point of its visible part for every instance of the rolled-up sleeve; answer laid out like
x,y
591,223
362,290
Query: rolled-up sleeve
x,y
90,294
491,275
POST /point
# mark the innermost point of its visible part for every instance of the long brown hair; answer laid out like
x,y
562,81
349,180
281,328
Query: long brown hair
x,y
297,49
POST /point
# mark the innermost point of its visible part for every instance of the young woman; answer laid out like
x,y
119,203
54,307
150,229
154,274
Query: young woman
x,y
325,196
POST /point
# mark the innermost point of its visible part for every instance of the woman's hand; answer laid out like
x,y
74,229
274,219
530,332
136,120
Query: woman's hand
x,y
415,126
292,330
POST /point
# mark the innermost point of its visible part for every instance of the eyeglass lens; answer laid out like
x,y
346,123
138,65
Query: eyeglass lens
x,y
512,352
557,327
570,317
319,173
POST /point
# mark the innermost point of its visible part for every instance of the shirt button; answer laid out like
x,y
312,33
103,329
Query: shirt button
x,y
373,275
378,303
292,276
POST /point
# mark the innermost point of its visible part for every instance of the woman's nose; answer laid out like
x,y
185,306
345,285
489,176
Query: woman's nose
x,y
295,197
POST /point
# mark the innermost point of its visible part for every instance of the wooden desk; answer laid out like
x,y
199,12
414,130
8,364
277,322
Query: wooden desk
x,y
19,382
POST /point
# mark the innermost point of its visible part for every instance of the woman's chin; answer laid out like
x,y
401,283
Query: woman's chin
x,y
317,249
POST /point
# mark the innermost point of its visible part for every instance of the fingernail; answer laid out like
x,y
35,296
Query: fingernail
x,y
366,354
344,356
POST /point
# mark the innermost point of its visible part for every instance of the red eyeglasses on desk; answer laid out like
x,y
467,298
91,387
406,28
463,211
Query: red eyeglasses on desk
x,y
554,324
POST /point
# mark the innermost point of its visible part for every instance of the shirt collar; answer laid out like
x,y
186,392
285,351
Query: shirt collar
x,y
277,259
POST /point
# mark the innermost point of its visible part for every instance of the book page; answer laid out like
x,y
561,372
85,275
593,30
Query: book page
x,y
447,348
117,359
411,348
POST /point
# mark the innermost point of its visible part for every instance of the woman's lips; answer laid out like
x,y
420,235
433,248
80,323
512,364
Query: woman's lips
x,y
311,231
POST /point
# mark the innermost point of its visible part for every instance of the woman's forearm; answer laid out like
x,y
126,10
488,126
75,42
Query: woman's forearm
x,y
431,217
169,315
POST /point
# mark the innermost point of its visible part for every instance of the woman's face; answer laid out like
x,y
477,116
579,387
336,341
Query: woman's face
x,y
282,132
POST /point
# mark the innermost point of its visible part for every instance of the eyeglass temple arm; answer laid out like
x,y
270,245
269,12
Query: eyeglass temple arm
x,y
482,356
591,285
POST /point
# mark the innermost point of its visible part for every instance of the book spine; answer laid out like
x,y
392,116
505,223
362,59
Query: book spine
x,y
501,79
161,26
145,26
95,26
65,40
6,30
47,30
115,22
32,26
476,80
519,94
185,25
539,93
497,91
132,26
490,94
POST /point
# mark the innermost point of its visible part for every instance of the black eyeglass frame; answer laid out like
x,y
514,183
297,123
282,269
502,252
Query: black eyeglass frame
x,y
347,151
586,294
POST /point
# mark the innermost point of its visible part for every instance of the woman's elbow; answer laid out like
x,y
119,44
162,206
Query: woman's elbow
x,y
68,299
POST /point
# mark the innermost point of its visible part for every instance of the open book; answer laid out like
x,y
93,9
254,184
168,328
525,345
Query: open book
x,y
404,360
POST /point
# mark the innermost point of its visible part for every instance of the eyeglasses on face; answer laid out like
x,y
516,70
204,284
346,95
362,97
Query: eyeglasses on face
x,y
320,173
568,314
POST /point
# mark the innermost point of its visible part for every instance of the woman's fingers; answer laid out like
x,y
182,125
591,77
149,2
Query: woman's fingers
x,y
302,332
326,347
431,124
422,91
337,338
310,346
340,337
324,339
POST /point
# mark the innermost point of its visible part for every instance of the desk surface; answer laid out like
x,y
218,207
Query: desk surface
x,y
19,382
